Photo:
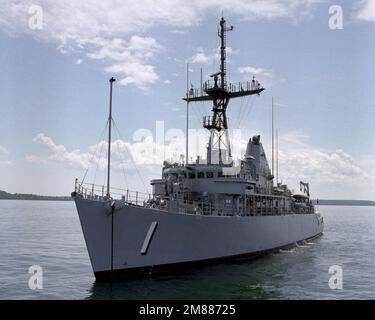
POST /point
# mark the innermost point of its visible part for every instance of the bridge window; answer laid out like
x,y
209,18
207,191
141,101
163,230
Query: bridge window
x,y
200,175
191,175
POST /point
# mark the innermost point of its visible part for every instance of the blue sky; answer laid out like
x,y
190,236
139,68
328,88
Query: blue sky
x,y
54,86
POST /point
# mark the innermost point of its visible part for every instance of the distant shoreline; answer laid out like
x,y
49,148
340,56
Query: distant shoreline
x,y
24,196
325,202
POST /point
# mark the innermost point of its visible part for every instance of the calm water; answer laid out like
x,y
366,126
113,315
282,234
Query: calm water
x,y
48,234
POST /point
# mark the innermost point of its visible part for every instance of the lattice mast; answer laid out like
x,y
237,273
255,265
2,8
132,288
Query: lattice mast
x,y
218,90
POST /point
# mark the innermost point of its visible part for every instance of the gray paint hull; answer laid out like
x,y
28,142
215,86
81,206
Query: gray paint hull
x,y
181,238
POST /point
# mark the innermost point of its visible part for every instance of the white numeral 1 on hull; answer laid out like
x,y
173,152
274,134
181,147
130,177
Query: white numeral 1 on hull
x,y
150,233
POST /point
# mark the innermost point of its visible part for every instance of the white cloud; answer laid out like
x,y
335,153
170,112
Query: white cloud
x,y
59,153
366,10
331,173
128,58
255,71
70,20
301,160
112,28
146,153
134,73
201,57
117,49
78,61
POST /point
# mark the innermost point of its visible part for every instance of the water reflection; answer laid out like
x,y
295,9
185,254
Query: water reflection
x,y
244,280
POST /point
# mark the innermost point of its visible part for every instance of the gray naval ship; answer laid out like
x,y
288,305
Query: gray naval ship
x,y
201,212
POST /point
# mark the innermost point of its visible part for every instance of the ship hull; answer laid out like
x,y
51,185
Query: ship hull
x,y
135,241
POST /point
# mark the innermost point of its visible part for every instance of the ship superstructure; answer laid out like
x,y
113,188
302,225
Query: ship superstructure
x,y
203,211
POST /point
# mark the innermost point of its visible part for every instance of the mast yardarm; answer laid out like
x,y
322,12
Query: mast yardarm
x,y
220,92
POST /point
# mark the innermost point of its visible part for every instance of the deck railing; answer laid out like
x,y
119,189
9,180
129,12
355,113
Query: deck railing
x,y
212,85
99,193
163,203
